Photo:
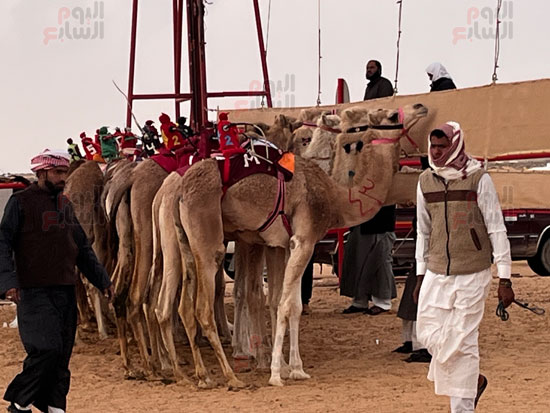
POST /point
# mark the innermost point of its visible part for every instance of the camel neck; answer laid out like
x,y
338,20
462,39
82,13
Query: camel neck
x,y
360,202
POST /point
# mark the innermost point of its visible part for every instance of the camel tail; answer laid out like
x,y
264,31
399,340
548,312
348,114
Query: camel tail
x,y
114,196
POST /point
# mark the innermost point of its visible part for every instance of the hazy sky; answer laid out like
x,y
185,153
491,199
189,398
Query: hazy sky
x,y
56,90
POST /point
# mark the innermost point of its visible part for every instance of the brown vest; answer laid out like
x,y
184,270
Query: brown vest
x,y
459,242
45,251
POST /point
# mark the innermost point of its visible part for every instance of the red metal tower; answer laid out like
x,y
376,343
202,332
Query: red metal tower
x,y
198,94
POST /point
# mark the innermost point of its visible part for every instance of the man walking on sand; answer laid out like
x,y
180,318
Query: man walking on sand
x,y
460,226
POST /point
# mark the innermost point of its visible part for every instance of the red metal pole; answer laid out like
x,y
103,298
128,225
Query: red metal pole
x,y
132,64
177,55
263,54
197,64
340,91
175,24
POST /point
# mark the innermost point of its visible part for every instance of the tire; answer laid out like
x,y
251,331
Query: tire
x,y
228,266
540,263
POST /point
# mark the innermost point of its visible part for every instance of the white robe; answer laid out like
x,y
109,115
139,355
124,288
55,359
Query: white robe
x,y
450,308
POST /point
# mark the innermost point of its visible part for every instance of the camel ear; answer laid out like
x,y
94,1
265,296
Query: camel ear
x,y
263,126
347,115
295,125
280,120
324,119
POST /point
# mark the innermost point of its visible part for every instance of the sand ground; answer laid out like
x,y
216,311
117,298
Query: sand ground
x,y
348,356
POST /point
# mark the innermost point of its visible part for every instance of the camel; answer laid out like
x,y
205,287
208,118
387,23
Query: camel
x,y
83,188
314,204
167,248
323,141
303,135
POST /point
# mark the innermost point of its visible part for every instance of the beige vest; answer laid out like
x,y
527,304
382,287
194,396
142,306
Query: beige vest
x,y
459,242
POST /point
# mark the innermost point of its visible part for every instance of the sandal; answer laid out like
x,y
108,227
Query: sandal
x,y
375,310
352,309
481,388
406,348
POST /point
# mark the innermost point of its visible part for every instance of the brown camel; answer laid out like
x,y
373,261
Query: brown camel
x,y
314,204
83,188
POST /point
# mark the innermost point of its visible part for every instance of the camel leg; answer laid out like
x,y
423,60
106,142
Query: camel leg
x,y
258,340
165,243
96,298
82,304
160,359
276,261
121,277
290,307
219,307
208,249
186,308
240,316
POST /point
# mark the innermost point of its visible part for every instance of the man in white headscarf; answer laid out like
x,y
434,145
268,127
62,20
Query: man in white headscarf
x,y
460,226
441,79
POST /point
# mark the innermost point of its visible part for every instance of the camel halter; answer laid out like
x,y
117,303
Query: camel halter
x,y
400,125
323,127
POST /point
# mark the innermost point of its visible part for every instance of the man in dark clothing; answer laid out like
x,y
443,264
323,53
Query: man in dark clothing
x,y
367,273
378,87
441,79
41,242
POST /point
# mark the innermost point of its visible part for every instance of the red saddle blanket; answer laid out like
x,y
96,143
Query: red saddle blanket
x,y
265,159
173,161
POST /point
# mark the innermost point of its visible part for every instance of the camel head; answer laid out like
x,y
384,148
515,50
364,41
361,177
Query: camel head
x,y
323,141
364,151
303,135
280,133
410,114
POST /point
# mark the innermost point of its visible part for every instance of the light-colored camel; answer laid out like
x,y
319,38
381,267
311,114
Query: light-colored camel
x,y
314,204
302,136
323,141
168,247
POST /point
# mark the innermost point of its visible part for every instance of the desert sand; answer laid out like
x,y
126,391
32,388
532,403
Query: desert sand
x,y
348,356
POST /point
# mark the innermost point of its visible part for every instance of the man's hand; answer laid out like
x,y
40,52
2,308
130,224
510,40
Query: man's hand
x,y
109,293
13,295
505,292
416,292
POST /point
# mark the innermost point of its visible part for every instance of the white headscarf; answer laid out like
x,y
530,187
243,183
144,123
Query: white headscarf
x,y
456,163
438,71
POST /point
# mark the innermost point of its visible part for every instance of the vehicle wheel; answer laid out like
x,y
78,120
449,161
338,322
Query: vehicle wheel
x,y
540,263
229,265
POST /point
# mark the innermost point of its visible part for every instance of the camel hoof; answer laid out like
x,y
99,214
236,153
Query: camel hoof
x,y
299,375
103,336
134,375
205,384
285,372
235,384
276,381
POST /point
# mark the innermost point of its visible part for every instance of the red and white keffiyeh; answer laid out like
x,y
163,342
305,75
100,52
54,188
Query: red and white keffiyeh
x,y
49,159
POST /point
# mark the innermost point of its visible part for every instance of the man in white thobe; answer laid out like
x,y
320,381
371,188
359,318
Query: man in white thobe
x,y
460,227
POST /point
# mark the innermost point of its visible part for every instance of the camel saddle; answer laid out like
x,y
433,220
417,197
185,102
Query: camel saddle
x,y
181,158
260,157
